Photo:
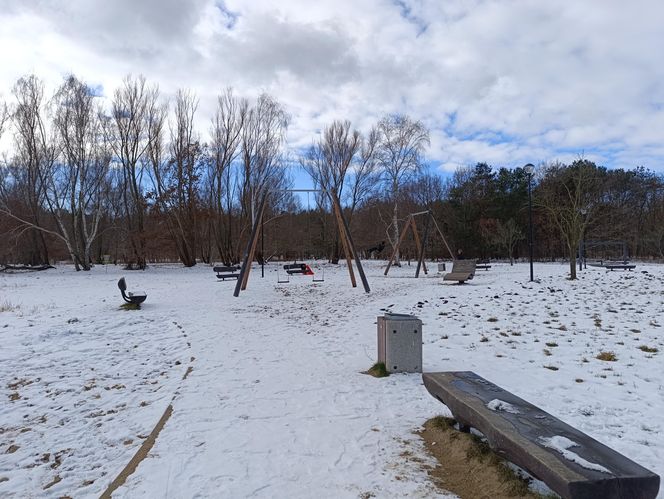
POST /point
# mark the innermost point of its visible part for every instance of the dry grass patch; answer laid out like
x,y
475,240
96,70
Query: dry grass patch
x,y
607,356
647,349
7,306
378,370
467,465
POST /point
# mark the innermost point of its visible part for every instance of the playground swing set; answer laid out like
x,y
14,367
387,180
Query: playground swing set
x,y
420,245
295,268
300,268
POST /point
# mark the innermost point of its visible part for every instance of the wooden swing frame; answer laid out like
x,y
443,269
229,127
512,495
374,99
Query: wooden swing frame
x,y
419,245
344,236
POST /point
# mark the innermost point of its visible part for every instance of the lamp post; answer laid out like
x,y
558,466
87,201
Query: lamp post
x,y
530,169
583,212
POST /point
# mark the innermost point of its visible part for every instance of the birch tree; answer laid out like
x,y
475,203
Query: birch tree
x,y
76,188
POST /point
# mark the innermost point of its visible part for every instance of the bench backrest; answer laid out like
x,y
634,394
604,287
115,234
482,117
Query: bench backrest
x,y
122,284
464,266
295,266
225,269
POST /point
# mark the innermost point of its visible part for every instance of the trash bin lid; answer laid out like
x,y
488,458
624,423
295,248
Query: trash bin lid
x,y
399,317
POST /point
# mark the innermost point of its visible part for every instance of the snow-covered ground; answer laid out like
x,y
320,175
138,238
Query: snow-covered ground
x,y
275,404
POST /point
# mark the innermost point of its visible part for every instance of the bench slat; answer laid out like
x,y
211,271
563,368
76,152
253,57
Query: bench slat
x,y
518,437
457,276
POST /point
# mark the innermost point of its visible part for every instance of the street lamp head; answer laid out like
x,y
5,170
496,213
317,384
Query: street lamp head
x,y
529,169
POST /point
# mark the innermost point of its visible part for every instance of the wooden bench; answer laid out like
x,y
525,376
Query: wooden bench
x,y
620,266
570,462
227,272
462,270
483,264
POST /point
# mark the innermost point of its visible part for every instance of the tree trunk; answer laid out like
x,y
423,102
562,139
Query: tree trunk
x,y
395,231
572,262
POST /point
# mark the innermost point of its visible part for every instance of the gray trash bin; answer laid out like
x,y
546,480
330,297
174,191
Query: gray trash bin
x,y
400,343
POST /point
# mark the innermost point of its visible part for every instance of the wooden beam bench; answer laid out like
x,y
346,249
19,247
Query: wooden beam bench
x,y
570,462
227,272
462,271
483,265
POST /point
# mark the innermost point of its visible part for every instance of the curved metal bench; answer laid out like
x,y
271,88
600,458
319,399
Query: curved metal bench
x,y
129,297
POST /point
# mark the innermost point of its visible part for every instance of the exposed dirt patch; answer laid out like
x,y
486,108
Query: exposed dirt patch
x,y
467,467
141,454
55,480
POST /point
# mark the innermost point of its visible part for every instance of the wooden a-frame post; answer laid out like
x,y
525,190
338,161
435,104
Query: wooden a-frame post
x,y
420,245
344,235
243,278
344,232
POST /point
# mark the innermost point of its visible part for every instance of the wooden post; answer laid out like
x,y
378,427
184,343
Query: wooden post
x,y
419,247
243,278
396,248
342,235
420,261
351,244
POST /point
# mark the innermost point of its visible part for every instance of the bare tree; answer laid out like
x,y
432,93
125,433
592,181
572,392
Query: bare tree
x,y
76,187
402,144
570,195
263,136
507,236
130,139
226,133
4,117
365,172
329,160
22,181
183,176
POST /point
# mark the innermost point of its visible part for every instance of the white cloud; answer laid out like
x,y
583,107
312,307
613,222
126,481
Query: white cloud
x,y
501,81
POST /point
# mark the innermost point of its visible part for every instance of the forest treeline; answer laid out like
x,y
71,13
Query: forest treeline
x,y
131,179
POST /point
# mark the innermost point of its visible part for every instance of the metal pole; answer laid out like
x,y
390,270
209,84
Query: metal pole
x,y
530,223
262,246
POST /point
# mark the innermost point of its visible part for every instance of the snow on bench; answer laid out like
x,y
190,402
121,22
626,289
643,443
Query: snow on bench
x,y
570,462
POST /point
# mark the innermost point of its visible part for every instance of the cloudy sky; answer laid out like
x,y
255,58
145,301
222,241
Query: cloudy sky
x,y
501,81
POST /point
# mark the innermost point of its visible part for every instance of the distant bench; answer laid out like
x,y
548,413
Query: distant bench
x,y
619,266
298,268
483,264
570,462
462,271
227,272
614,265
